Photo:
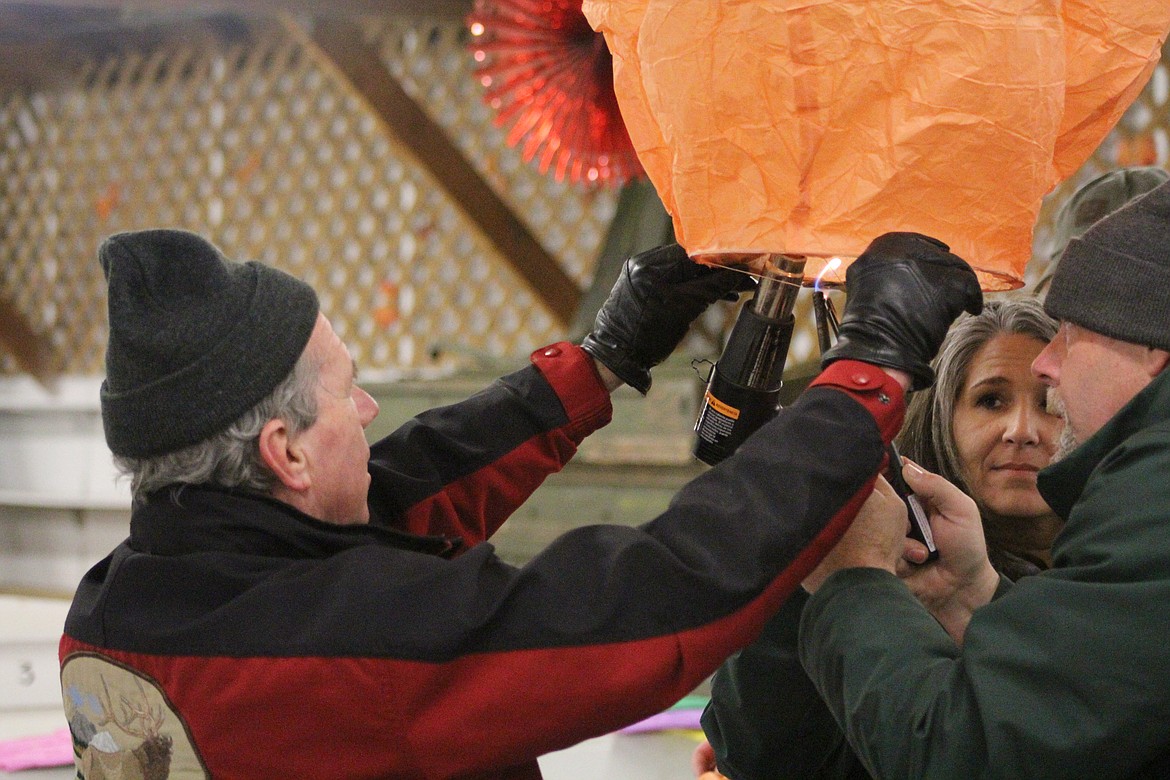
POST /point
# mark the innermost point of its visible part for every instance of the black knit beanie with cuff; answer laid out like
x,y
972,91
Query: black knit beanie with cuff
x,y
195,339
1115,278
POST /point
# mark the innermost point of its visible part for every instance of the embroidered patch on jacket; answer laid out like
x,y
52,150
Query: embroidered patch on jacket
x,y
123,725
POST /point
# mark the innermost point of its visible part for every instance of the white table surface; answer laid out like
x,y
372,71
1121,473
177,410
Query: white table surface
x,y
664,755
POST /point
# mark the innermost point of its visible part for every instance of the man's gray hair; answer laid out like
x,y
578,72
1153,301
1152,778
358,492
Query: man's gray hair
x,y
927,436
231,458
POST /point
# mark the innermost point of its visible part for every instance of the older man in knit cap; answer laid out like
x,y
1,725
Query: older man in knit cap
x,y
292,602
1067,674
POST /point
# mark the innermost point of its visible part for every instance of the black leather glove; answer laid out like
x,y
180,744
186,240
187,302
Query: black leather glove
x,y
657,296
904,291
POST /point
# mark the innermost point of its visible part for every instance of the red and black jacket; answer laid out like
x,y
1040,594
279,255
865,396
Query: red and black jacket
x,y
248,640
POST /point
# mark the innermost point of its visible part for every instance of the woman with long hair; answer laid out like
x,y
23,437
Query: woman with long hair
x,y
985,425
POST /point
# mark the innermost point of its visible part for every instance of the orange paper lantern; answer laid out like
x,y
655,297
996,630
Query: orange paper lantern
x,y
806,129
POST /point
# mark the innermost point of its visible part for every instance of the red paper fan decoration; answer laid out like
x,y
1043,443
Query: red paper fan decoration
x,y
549,76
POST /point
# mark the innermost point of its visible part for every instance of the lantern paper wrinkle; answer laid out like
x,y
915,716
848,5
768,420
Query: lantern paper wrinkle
x,y
809,128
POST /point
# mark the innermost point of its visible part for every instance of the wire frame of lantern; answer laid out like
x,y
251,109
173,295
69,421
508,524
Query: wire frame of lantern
x,y
549,78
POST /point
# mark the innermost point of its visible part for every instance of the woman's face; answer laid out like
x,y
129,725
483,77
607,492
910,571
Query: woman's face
x,y
1002,431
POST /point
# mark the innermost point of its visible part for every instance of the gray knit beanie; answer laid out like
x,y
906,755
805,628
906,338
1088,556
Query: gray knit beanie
x,y
195,339
1115,278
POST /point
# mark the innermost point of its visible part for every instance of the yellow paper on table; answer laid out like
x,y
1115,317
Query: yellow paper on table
x,y
809,128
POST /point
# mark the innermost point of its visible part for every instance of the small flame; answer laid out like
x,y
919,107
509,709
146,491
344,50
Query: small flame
x,y
833,264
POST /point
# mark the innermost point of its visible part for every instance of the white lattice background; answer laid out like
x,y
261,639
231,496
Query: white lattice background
x,y
258,147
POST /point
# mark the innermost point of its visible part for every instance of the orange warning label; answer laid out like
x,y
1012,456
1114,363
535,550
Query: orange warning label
x,y
722,408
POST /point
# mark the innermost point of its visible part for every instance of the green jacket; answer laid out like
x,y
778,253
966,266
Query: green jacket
x,y
1067,675
766,720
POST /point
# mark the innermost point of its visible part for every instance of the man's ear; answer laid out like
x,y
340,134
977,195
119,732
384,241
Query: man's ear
x,y
283,456
1156,361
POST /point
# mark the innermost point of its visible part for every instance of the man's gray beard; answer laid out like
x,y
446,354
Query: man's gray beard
x,y
1068,442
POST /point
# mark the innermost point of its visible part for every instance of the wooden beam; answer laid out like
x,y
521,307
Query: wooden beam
x,y
341,44
33,351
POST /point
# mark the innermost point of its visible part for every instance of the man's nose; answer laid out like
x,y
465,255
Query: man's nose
x,y
366,405
1046,366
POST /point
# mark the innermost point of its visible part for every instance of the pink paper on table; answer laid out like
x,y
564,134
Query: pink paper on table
x,y
40,750
671,719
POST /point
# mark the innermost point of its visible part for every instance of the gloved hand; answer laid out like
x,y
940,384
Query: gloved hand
x,y
657,296
904,291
